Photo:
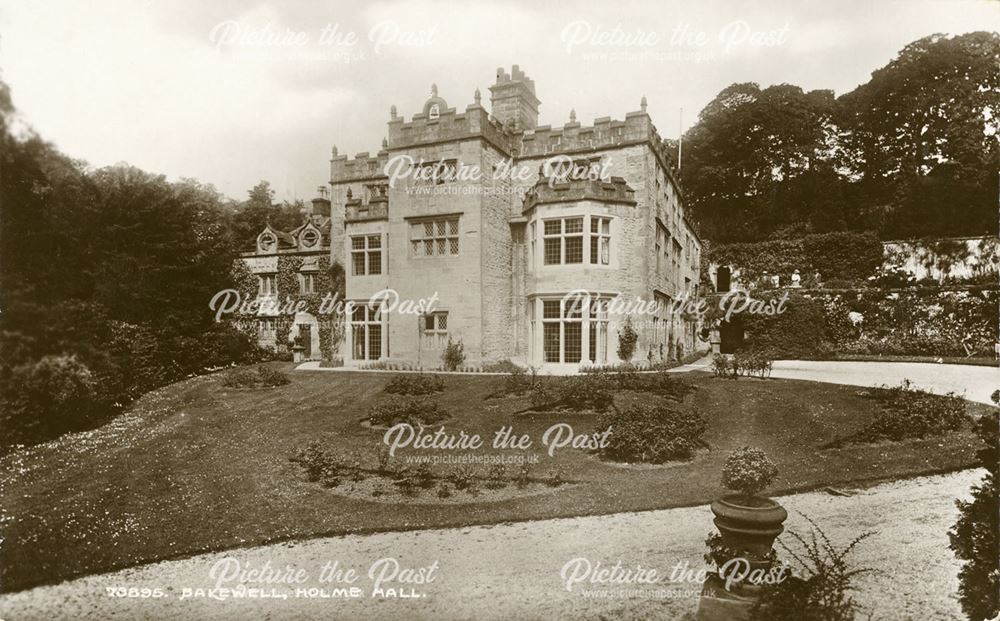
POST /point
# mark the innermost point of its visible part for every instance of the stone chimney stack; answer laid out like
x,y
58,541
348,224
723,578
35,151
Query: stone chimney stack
x,y
513,101
321,204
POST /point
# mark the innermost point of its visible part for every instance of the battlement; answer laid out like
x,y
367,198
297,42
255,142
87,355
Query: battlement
x,y
357,211
362,166
605,132
548,191
449,125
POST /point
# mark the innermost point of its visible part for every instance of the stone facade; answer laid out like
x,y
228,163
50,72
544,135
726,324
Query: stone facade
x,y
484,245
289,270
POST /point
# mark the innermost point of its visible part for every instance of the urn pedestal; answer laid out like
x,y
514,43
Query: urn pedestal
x,y
748,525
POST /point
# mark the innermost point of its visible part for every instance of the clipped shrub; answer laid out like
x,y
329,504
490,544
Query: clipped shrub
x,y
723,366
419,384
577,393
748,471
272,377
627,337
453,355
652,433
404,409
262,376
907,412
503,366
795,333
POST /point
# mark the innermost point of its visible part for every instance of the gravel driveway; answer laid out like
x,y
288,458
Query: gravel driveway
x,y
512,571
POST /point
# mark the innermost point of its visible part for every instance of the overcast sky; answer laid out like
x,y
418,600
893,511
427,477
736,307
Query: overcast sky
x,y
235,92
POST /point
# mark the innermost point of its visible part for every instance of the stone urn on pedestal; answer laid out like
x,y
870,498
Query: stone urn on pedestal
x,y
743,551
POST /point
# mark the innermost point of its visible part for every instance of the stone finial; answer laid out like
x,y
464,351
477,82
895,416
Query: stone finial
x,y
477,97
642,104
333,151
434,90
572,115
350,194
385,143
392,111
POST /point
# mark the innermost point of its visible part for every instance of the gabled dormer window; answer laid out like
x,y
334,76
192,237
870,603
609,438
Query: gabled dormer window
x,y
267,242
309,238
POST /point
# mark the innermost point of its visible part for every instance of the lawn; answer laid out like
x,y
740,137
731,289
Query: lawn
x,y
196,467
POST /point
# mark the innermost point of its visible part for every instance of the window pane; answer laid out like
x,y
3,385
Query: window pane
x,y
358,342
357,243
374,341
573,341
593,249
428,322
550,309
442,321
374,241
453,227
553,227
605,250
574,249
358,261
358,313
606,226
552,251
440,228
551,345
594,224
416,247
428,229
441,246
428,247
375,262
574,225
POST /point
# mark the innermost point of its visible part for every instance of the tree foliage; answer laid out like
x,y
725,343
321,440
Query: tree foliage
x,y
911,152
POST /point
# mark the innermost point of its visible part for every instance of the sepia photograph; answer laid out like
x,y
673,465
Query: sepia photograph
x,y
414,310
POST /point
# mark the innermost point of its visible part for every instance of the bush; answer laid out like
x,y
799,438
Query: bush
x,y
748,471
577,393
723,367
753,363
627,338
907,412
453,355
503,366
796,333
420,384
652,433
973,538
322,467
240,378
411,410
823,593
264,377
47,398
272,377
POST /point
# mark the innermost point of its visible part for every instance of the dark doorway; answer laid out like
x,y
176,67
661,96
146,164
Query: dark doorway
x,y
731,335
305,332
723,279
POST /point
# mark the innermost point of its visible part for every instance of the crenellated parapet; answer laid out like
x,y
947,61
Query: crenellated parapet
x,y
549,191
604,133
438,125
362,167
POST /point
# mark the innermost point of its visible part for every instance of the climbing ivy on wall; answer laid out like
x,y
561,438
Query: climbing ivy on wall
x,y
842,255
328,280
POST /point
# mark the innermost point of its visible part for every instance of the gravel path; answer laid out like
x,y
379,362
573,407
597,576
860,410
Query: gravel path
x,y
976,383
512,571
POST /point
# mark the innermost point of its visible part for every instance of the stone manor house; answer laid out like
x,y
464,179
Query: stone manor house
x,y
593,208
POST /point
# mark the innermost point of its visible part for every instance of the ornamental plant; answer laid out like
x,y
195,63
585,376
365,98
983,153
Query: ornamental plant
x,y
627,338
748,471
